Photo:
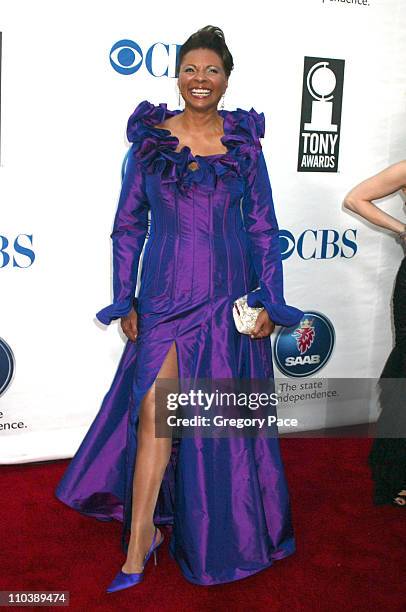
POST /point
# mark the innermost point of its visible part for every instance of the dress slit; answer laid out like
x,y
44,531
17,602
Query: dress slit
x,y
166,489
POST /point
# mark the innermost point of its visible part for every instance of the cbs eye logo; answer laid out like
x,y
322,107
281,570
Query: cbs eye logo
x,y
127,57
319,243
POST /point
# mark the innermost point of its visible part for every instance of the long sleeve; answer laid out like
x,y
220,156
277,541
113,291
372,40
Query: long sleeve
x,y
263,238
128,237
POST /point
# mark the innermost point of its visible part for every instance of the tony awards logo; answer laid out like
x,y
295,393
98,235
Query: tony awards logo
x,y
320,120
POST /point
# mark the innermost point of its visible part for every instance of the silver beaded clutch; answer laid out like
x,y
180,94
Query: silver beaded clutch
x,y
245,316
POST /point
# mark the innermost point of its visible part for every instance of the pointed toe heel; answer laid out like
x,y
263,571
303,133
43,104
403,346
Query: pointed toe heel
x,y
125,581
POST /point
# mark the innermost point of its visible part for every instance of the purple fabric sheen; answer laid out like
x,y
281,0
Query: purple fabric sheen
x,y
116,310
263,237
280,314
128,236
213,238
155,148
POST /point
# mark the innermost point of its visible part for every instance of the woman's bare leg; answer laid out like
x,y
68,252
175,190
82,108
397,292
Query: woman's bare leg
x,y
151,460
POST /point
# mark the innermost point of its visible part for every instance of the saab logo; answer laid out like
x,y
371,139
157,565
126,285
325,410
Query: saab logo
x,y
320,121
304,349
7,365
127,57
319,243
305,334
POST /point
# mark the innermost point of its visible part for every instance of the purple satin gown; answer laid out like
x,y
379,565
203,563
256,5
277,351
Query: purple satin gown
x,y
213,238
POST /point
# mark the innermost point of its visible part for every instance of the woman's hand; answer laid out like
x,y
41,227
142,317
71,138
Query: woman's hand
x,y
263,326
129,325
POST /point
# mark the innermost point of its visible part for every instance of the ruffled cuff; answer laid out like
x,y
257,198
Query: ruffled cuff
x,y
279,313
116,310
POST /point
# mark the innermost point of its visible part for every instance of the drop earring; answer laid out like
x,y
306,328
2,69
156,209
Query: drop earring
x,y
222,102
178,96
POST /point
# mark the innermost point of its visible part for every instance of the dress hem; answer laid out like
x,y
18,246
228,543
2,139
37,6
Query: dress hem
x,y
283,554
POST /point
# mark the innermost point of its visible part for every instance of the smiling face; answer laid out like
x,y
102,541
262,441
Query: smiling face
x,y
202,79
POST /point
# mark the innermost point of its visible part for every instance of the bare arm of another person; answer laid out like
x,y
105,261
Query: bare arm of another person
x,y
386,182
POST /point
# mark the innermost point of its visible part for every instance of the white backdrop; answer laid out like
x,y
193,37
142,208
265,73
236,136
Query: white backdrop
x,y
64,114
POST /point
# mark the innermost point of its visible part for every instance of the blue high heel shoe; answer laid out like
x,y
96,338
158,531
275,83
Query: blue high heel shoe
x,y
124,581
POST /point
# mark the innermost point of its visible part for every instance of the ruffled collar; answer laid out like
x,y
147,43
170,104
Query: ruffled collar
x,y
155,148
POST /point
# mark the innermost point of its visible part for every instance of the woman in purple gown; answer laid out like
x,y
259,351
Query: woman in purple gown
x,y
213,237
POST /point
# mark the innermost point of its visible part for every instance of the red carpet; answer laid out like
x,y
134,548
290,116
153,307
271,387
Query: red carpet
x,y
350,554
